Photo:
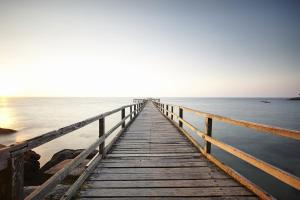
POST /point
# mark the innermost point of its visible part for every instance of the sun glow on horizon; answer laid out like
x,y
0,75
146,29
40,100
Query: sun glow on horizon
x,y
6,115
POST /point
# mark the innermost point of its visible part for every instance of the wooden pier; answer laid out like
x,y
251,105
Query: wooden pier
x,y
152,156
153,159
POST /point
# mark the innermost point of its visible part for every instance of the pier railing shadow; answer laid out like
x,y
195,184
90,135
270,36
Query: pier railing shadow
x,y
168,110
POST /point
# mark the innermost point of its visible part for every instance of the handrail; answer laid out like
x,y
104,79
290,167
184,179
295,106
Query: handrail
x,y
47,137
293,134
207,136
13,155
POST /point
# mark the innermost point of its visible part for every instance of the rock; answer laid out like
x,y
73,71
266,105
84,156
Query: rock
x,y
29,189
32,173
64,155
7,131
295,98
265,101
55,194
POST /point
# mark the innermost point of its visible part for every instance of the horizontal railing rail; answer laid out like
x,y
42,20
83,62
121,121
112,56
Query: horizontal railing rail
x,y
293,134
12,157
168,111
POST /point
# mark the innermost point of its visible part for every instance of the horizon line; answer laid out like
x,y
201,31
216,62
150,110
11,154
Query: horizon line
x,y
147,97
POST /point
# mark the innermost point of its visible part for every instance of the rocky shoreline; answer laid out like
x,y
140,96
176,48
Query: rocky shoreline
x,y
34,175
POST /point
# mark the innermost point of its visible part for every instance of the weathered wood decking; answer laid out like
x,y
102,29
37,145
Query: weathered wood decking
x,y
153,160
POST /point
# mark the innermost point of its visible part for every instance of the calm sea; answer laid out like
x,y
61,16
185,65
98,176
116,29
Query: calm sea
x,y
35,116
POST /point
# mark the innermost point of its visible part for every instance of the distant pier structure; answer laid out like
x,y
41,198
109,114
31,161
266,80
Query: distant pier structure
x,y
151,156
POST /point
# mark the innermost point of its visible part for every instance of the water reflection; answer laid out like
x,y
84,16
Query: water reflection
x,y
6,114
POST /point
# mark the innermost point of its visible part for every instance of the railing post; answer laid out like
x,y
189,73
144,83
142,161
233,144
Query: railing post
x,y
163,108
130,112
167,109
122,117
101,133
180,116
16,177
172,112
208,131
134,109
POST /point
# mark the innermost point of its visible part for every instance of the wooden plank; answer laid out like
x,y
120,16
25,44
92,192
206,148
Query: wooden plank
x,y
138,150
154,155
151,137
151,151
169,192
176,198
191,176
135,142
174,170
150,144
154,160
170,158
152,164
162,183
152,147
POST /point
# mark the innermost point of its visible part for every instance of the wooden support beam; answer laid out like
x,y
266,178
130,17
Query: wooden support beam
x,y
134,109
180,116
172,110
122,117
130,112
208,131
101,133
16,182
167,109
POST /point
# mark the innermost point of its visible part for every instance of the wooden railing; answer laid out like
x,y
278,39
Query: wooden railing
x,y
168,111
12,157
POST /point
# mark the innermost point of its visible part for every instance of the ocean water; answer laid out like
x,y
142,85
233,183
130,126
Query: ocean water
x,y
35,116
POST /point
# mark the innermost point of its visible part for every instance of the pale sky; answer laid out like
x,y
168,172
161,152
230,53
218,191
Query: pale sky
x,y
150,48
